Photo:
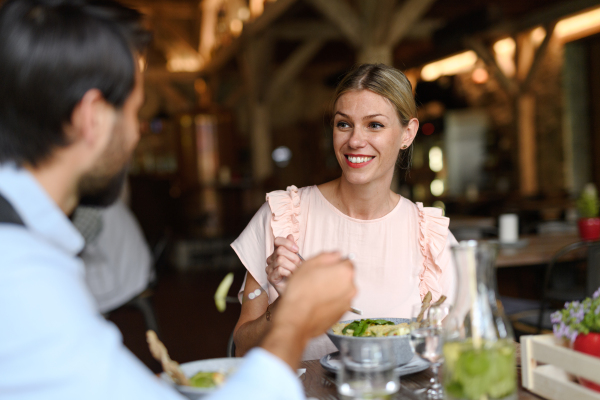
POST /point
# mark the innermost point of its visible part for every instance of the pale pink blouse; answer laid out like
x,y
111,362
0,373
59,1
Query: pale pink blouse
x,y
399,257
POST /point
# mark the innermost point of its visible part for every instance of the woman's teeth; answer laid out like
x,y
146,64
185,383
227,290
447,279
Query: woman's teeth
x,y
359,160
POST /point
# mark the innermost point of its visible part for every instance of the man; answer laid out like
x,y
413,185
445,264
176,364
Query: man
x,y
70,91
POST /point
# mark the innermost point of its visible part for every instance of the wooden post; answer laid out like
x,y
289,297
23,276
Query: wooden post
x,y
255,64
375,54
527,145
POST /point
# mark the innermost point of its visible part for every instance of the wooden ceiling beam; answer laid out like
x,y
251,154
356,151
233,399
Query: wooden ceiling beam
x,y
509,85
225,54
343,16
162,74
181,10
292,67
539,55
177,34
405,16
543,17
305,30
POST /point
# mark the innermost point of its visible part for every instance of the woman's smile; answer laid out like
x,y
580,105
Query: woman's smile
x,y
358,160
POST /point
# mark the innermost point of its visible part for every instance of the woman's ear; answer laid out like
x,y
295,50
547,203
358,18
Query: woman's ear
x,y
409,133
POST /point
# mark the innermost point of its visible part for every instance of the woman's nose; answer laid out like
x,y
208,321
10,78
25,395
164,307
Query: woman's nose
x,y
357,139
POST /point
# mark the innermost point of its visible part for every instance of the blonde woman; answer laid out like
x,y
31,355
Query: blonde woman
x,y
402,249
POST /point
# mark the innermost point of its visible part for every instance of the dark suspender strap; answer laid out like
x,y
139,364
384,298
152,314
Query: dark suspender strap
x,y
8,215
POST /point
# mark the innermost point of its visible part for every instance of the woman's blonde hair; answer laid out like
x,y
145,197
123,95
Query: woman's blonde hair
x,y
386,81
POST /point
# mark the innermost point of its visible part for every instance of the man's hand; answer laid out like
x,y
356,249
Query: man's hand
x,y
317,295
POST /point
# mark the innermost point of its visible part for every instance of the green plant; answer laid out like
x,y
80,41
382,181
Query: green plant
x,y
577,317
587,203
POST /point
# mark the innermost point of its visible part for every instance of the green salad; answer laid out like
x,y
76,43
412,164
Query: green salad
x,y
370,328
207,379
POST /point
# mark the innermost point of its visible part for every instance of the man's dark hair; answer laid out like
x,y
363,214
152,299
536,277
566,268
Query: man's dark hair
x,y
51,53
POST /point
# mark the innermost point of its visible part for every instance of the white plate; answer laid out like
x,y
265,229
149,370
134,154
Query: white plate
x,y
224,365
332,363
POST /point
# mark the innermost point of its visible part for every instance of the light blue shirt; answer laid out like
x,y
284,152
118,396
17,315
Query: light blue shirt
x,y
54,345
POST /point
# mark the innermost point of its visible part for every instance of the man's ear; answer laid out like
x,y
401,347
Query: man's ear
x,y
410,131
92,121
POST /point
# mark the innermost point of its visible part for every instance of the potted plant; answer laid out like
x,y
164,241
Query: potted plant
x,y
579,324
588,206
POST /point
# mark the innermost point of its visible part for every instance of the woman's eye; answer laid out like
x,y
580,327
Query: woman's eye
x,y
375,125
342,124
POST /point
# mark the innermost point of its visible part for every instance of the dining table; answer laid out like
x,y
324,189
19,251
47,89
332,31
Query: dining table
x,y
320,384
535,250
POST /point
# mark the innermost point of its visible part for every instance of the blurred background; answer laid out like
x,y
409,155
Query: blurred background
x,y
237,104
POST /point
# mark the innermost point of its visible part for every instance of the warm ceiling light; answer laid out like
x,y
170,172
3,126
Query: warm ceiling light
x,y
505,55
480,75
257,7
538,35
236,26
449,66
243,13
184,63
578,26
142,63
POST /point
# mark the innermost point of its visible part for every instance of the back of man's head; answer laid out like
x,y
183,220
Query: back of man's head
x,y
53,52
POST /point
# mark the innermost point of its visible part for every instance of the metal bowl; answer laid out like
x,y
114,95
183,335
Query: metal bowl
x,y
402,350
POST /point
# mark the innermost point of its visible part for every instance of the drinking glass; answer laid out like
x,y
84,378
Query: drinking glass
x,y
426,339
367,369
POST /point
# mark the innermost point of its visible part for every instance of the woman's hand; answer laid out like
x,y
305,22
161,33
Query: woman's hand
x,y
282,263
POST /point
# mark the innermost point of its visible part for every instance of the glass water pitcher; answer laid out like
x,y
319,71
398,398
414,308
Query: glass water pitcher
x,y
479,349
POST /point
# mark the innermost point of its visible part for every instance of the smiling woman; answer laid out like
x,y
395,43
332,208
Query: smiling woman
x,y
402,249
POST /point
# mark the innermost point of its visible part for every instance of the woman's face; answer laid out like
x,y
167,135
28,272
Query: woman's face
x,y
368,135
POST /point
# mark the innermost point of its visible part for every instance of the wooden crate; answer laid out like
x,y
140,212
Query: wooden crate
x,y
552,380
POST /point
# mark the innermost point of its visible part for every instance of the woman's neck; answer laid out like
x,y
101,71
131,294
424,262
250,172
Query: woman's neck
x,y
368,201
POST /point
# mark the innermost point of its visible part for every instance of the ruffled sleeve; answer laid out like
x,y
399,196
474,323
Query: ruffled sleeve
x,y
279,216
433,236
285,209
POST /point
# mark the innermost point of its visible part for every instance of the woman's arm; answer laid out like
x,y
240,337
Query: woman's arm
x,y
252,326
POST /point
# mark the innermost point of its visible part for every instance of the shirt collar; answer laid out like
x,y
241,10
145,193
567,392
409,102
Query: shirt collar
x,y
37,210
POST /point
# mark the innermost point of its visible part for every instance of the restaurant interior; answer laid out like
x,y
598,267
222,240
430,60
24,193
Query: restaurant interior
x,y
237,104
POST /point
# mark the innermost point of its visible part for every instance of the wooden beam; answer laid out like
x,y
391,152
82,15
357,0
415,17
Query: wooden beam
x,y
345,18
544,17
381,20
405,16
270,15
180,10
162,74
292,67
225,54
175,98
306,30
528,181
539,55
176,33
483,52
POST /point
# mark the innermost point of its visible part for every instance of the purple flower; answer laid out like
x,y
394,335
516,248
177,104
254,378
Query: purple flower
x,y
596,294
577,314
597,311
556,317
572,335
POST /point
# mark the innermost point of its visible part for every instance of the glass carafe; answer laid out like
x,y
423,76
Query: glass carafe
x,y
479,348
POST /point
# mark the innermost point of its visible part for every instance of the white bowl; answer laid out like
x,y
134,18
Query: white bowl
x,y
224,365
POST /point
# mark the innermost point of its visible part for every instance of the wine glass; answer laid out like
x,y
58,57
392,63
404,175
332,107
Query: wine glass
x,y
426,339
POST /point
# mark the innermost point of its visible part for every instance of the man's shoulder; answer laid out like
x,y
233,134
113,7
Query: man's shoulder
x,y
23,247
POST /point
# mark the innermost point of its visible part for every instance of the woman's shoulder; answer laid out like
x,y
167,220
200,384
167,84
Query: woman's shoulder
x,y
422,212
286,207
